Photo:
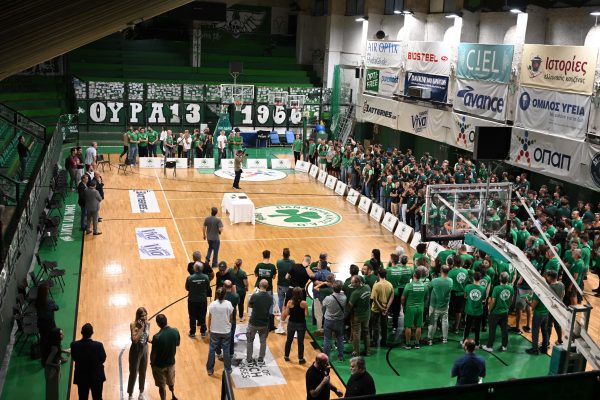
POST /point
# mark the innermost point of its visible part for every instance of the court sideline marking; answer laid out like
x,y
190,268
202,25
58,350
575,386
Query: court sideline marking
x,y
171,212
290,238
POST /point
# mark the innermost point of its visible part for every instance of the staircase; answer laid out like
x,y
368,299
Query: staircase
x,y
345,124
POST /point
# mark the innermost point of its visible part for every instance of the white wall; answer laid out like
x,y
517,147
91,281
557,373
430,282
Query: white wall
x,y
568,26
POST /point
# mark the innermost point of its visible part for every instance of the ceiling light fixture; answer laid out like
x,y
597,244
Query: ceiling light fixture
x,y
455,15
362,19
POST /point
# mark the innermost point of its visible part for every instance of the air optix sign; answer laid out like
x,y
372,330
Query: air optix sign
x,y
557,113
485,62
433,87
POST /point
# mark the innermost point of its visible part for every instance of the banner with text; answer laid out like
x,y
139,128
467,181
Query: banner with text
x,y
378,110
484,99
556,113
143,201
485,62
433,87
383,54
590,168
549,155
154,243
428,57
463,130
423,121
385,82
568,68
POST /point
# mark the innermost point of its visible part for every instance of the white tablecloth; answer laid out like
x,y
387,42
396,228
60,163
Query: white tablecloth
x,y
239,207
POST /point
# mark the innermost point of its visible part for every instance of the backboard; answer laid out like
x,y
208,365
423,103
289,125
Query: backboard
x,y
486,206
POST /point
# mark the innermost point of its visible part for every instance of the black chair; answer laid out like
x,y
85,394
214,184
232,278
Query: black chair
x,y
124,165
171,165
51,271
101,162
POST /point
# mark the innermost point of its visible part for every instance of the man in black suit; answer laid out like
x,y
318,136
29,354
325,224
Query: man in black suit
x,y
89,357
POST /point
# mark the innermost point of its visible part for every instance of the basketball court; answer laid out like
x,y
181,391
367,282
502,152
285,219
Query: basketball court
x,y
295,211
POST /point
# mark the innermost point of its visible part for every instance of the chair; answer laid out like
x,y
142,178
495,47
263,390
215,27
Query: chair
x,y
171,165
262,137
48,231
36,282
290,137
49,268
27,325
54,204
101,162
274,139
124,165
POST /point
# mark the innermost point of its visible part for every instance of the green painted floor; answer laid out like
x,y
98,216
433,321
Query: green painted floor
x,y
429,367
25,377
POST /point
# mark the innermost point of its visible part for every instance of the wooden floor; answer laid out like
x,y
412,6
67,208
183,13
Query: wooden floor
x,y
115,282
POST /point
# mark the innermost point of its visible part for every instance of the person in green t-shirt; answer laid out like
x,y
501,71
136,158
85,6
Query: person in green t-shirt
x,y
152,139
297,147
284,266
143,139
359,303
421,253
197,285
369,275
413,302
238,141
438,307
347,286
398,275
162,356
499,303
133,146
323,149
459,277
576,270
539,321
475,296
312,148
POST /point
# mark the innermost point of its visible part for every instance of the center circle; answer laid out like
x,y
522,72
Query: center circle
x,y
296,216
252,174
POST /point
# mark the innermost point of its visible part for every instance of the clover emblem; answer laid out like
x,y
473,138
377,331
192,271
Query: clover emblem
x,y
296,215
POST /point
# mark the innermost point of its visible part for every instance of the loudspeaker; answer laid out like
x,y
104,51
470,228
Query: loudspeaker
x,y
492,143
236,67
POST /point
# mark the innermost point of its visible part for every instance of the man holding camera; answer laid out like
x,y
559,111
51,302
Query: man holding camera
x,y
237,167
317,379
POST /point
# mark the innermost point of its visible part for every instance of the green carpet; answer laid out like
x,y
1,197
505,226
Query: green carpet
x,y
25,377
430,366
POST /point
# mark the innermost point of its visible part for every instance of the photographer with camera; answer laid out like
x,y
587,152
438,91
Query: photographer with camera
x,y
317,379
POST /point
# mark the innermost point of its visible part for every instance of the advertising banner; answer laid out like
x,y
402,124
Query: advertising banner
x,y
484,62
556,113
428,57
549,155
463,130
378,110
424,121
385,82
383,54
143,201
435,88
567,68
590,168
154,243
484,99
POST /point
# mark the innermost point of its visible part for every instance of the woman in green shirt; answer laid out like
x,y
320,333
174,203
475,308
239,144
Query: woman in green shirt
x,y
241,285
297,146
336,162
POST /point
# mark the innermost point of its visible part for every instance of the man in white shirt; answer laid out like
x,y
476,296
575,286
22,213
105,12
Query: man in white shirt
x,y
219,327
162,138
90,155
222,145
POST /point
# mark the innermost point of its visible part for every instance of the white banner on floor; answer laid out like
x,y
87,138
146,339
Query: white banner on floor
x,y
143,201
257,163
246,375
154,243
302,166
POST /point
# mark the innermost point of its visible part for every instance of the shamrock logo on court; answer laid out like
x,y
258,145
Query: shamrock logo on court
x,y
296,216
